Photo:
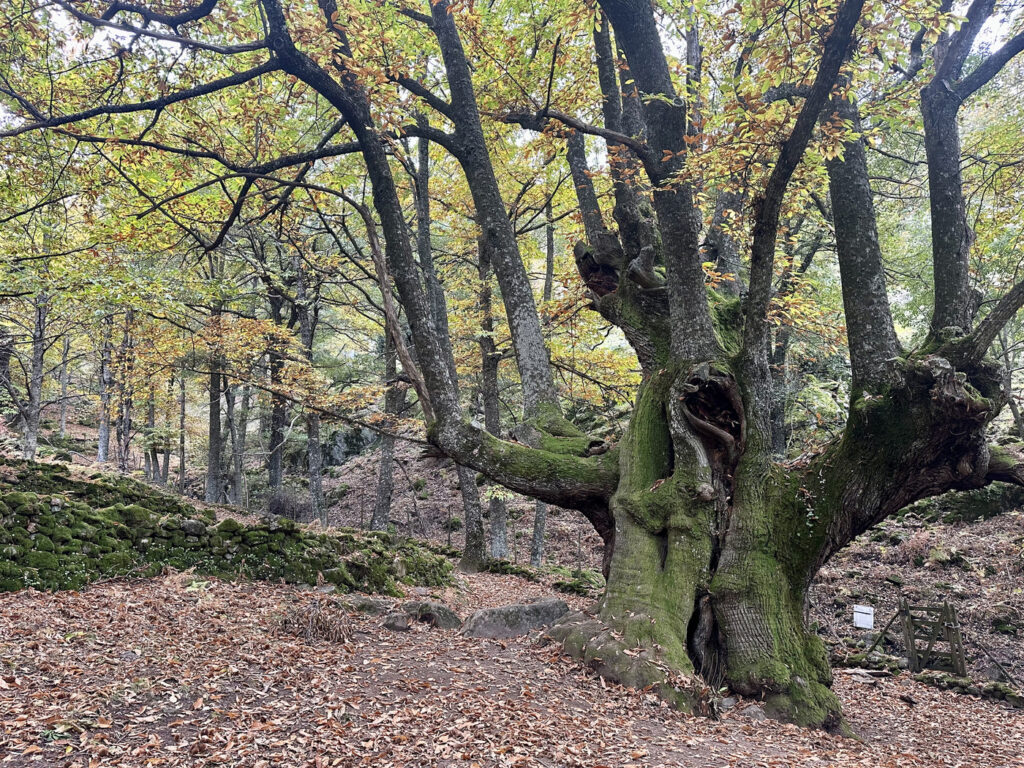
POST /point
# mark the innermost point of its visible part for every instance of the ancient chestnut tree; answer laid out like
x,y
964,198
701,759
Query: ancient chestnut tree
x,y
711,540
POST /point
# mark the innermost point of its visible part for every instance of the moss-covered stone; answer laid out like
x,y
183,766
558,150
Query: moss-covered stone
x,y
43,560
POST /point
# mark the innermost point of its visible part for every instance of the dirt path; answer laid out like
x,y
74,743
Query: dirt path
x,y
168,672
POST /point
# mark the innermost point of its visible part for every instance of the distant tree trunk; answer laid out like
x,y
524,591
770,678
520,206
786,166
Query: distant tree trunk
x,y
106,385
235,461
64,384
166,441
1006,358
33,406
305,307
549,254
147,436
125,393
540,514
540,518
7,401
393,396
278,416
490,359
475,554
238,420
151,446
213,459
181,433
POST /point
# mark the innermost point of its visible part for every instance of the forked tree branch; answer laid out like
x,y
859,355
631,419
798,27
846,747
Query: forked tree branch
x,y
769,207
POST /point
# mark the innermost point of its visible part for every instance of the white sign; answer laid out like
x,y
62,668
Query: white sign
x,y
863,617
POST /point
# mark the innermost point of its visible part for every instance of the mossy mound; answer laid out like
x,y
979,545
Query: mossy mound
x,y
969,506
508,568
57,541
585,583
100,490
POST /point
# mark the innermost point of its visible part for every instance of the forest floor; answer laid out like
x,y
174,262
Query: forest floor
x,y
180,671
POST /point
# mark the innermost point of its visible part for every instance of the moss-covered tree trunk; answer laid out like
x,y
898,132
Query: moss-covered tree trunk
x,y
715,544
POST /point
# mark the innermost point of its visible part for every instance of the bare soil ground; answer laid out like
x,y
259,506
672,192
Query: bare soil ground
x,y
177,671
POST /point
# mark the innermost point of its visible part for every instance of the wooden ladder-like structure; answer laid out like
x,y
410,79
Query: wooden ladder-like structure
x,y
933,625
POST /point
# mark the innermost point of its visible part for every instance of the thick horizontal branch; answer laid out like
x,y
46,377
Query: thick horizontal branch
x,y
205,89
583,483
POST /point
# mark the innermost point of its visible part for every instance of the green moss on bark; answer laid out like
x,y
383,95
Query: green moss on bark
x,y
663,537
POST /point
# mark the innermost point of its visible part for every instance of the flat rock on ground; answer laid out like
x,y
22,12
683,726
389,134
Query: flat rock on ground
x,y
513,620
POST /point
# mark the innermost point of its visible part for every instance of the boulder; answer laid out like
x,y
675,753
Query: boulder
x,y
371,605
192,527
752,712
513,620
434,613
397,621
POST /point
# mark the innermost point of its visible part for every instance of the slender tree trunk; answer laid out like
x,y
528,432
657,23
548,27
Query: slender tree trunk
x,y
64,384
238,420
181,433
540,515
278,415
306,308
215,439
1006,359
490,360
549,254
106,385
475,554
474,551
394,398
34,401
540,518
7,399
235,461
165,471
123,425
152,445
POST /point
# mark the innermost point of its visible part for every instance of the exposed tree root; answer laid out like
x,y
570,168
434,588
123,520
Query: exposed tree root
x,y
600,648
